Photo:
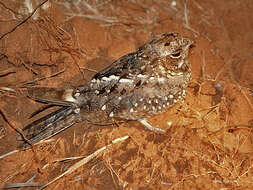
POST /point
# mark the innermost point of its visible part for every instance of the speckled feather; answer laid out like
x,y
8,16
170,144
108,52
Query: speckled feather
x,y
135,86
142,83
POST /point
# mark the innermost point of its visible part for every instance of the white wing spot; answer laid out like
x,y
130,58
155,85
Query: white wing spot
x,y
169,123
104,107
77,94
106,79
113,77
126,81
68,95
111,114
131,110
141,76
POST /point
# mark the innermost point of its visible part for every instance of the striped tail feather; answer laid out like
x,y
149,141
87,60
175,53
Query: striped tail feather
x,y
49,125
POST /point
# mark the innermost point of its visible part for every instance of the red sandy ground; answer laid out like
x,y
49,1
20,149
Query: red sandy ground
x,y
209,144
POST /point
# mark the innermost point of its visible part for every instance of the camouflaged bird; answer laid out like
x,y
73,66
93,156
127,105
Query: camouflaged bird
x,y
134,87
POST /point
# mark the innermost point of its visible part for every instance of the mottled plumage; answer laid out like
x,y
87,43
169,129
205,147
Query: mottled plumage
x,y
134,87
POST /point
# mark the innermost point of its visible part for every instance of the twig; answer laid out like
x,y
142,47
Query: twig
x,y
186,14
7,89
88,69
9,153
7,72
230,128
94,17
85,160
22,22
29,181
29,68
16,185
45,77
113,172
15,151
187,24
245,96
67,159
17,129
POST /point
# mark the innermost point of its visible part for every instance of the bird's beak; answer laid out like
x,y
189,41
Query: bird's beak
x,y
181,62
190,45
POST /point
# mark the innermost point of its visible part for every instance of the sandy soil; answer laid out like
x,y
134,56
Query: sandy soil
x,y
209,144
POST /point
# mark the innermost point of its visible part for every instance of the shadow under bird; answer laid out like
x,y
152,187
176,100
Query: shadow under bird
x,y
134,87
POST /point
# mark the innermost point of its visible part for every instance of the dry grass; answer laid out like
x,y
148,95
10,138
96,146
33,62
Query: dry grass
x,y
208,139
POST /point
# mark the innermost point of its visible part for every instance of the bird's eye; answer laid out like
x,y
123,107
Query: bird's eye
x,y
176,55
167,44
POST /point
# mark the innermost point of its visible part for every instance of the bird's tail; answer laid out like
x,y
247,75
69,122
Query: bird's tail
x,y
49,125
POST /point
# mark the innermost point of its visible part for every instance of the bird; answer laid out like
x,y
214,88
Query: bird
x,y
136,86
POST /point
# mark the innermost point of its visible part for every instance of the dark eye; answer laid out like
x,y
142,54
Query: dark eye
x,y
176,55
167,44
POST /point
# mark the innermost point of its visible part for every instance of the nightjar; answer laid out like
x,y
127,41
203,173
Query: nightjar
x,y
134,87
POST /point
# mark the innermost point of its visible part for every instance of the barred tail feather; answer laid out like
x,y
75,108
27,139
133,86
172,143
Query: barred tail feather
x,y
49,125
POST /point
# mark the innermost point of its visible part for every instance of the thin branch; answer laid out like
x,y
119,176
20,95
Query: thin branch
x,y
22,22
17,129
17,185
29,68
45,77
7,72
85,160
